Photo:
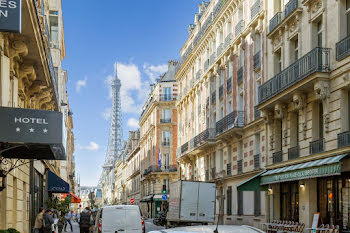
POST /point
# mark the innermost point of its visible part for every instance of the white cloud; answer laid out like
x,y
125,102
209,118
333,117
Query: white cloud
x,y
133,123
153,71
80,83
107,114
93,146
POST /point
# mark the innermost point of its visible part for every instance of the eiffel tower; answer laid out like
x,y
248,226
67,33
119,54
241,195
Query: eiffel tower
x,y
115,130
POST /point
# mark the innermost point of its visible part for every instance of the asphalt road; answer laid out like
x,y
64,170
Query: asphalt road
x,y
151,227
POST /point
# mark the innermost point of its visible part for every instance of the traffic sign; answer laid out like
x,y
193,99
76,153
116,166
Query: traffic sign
x,y
132,201
164,197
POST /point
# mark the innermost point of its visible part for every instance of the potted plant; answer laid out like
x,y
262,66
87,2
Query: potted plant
x,y
62,207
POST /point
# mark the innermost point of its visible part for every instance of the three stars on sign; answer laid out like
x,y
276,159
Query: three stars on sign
x,y
31,130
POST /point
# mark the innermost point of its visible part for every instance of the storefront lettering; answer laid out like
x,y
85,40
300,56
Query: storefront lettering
x,y
39,121
5,5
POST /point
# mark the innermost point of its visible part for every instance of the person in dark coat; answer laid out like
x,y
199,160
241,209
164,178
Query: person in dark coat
x,y
48,221
85,220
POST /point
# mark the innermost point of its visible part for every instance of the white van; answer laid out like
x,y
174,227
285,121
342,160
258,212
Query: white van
x,y
119,219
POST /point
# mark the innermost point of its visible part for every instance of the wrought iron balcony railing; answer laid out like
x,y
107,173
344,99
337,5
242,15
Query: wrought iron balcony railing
x,y
276,19
240,72
184,147
293,152
203,137
213,97
291,6
207,175
255,9
317,60
343,48
277,157
166,143
240,166
232,120
257,113
227,40
257,61
165,120
229,84
317,146
239,27
229,169
221,91
344,139
156,168
198,74
212,59
167,97
257,162
219,49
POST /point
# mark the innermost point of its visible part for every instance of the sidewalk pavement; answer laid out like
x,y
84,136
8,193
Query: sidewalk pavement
x,y
76,228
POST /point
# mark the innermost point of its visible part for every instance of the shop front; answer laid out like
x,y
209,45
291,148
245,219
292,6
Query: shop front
x,y
297,192
146,206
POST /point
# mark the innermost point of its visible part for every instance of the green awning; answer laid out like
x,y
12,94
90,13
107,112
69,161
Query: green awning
x,y
147,198
317,168
252,184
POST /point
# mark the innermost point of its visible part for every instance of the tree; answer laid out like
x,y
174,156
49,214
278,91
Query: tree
x,y
92,200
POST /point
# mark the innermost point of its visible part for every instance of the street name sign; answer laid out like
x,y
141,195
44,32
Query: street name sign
x,y
10,15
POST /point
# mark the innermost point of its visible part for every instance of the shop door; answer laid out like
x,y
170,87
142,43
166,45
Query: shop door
x,y
158,207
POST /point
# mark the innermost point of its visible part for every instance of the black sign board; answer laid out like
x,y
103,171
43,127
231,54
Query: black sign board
x,y
10,15
41,133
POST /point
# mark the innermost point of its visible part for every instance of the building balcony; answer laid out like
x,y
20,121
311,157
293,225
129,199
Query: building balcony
x,y
233,120
257,61
239,28
240,72
201,141
229,85
213,173
277,157
167,97
274,21
317,60
257,162
157,169
165,120
344,139
279,19
229,169
228,40
257,113
240,166
317,146
255,9
213,97
198,74
219,50
206,65
343,48
293,152
212,59
166,143
184,147
221,91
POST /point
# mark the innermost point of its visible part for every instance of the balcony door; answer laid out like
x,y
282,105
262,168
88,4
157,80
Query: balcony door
x,y
167,93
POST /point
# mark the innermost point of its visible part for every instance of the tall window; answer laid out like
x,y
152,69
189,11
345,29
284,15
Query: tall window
x,y
241,58
165,161
240,202
229,154
320,121
167,93
278,62
54,32
166,114
257,143
294,128
319,34
213,160
257,43
240,150
229,200
166,138
221,112
294,49
221,153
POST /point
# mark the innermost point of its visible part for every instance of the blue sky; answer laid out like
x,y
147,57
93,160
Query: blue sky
x,y
141,36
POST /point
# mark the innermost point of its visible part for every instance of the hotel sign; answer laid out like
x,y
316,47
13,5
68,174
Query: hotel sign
x,y
326,170
10,16
40,131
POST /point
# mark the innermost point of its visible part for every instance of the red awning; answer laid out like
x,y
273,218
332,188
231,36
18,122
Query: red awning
x,y
75,198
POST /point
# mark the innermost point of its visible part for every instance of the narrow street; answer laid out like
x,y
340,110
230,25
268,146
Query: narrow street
x,y
151,227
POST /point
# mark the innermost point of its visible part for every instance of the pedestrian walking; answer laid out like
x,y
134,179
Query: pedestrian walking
x,y
85,220
48,221
68,220
39,221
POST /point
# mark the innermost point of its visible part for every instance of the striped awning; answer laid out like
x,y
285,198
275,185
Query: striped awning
x,y
317,168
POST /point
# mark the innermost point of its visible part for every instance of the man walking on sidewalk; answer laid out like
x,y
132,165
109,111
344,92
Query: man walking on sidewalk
x,y
39,221
85,220
68,219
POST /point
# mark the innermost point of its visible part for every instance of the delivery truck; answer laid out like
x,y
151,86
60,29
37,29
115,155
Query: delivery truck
x,y
191,202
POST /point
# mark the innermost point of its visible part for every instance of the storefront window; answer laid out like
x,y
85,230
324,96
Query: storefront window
x,y
290,201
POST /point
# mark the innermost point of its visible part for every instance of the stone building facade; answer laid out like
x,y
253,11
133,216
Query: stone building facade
x,y
31,77
158,142
221,135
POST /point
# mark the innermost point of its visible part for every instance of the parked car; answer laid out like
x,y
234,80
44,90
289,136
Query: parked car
x,y
211,228
119,218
